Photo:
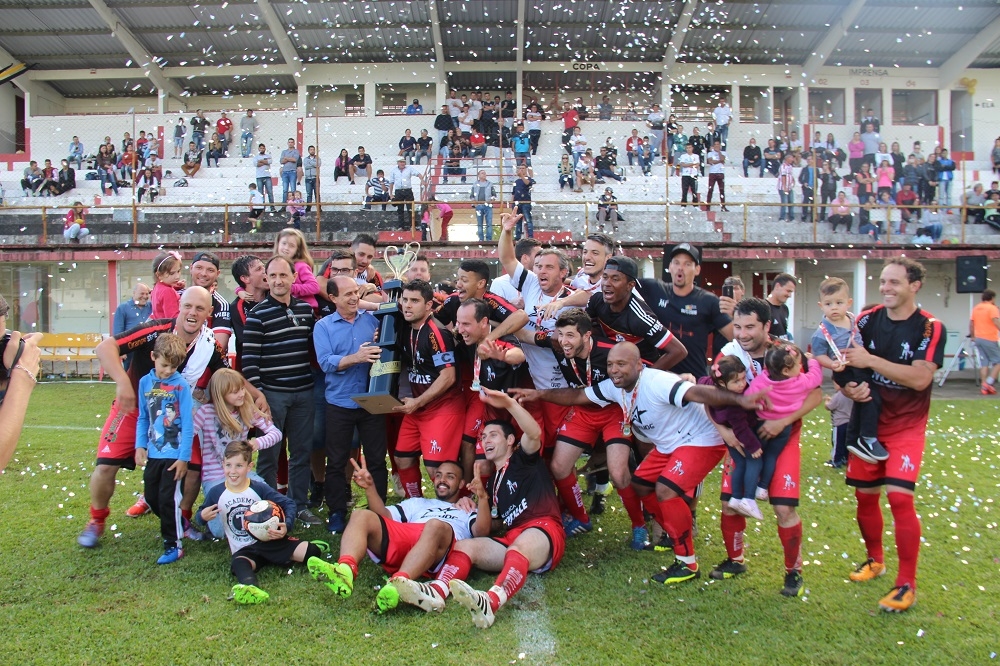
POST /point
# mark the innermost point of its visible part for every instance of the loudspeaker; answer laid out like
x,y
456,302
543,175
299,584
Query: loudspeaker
x,y
970,274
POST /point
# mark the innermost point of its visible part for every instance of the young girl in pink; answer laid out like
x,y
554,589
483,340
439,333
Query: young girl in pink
x,y
166,296
291,245
790,377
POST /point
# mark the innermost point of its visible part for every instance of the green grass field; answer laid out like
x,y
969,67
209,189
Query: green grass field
x,y
64,605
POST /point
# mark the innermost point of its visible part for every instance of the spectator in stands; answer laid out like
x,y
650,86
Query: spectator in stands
x,y
885,175
870,119
579,144
605,166
477,147
698,146
180,131
32,181
566,173
784,143
680,142
216,149
974,200
376,190
906,198
786,188
795,145
521,201
126,164
723,115
855,153
65,179
752,158
141,145
264,184
994,156
443,123
533,124
910,174
484,193
632,146
946,170
111,150
401,190
407,146
585,173
807,179
465,120
832,150
881,154
570,118
224,128
75,224
425,145
132,312
310,172
48,179
192,160
520,144
711,136
199,124
631,113
607,210
656,122
871,140
147,183
716,160
690,165
77,152
127,143
840,212
248,129
289,161
646,155
898,163
106,170
930,177
772,157
453,161
671,129
361,161
817,146
866,184
508,109
605,109
256,207
991,209
341,166
414,108
918,151
827,181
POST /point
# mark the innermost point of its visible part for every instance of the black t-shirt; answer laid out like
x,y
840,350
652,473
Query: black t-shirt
x,y
140,341
921,337
779,320
636,323
523,490
239,309
575,370
500,308
690,318
493,374
435,350
507,107
361,161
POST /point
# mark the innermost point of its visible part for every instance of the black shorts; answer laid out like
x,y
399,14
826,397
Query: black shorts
x,y
277,552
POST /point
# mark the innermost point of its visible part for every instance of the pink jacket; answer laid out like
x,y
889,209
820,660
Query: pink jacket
x,y
786,395
166,301
855,150
305,286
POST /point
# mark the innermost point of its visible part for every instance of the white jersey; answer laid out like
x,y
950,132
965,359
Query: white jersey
x,y
420,510
542,364
659,415
502,286
582,282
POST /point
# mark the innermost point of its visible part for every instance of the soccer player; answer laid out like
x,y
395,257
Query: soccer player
x,y
903,346
596,250
520,495
473,276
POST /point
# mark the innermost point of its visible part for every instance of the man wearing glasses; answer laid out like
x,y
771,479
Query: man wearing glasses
x,y
276,345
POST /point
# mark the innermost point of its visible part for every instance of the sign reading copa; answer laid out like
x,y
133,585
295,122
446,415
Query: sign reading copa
x,y
586,66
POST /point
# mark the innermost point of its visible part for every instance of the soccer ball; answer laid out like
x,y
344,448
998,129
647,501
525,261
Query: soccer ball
x,y
262,516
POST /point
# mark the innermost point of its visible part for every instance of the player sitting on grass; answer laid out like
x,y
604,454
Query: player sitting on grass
x,y
230,501
408,539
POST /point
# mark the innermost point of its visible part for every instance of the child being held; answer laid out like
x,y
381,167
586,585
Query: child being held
x,y
229,501
835,333
165,296
840,408
291,245
163,439
296,209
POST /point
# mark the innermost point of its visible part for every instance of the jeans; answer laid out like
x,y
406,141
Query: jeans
x,y
292,414
747,164
75,232
287,184
656,141
786,211
533,137
109,178
246,143
422,153
807,198
310,192
945,192
484,221
76,158
565,179
408,156
339,422
264,185
199,139
523,158
525,210
608,173
723,134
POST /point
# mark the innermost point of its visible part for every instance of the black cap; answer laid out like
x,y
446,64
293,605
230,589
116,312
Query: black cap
x,y
687,249
206,256
623,265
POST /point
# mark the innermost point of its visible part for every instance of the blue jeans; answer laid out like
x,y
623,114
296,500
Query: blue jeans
x,y
747,165
525,210
293,415
422,153
484,221
723,134
945,193
786,211
287,184
246,143
199,139
264,185
523,158
565,179
310,192
608,173
76,158
109,178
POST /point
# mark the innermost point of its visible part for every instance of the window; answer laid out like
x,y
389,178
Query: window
x,y
393,102
865,99
826,106
694,104
354,105
914,107
755,105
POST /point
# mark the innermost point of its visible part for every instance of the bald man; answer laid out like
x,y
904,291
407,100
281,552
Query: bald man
x,y
116,448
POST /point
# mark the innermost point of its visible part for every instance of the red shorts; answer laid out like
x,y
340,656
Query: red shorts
x,y
435,434
682,470
585,425
399,539
195,464
552,528
549,416
784,488
906,452
117,444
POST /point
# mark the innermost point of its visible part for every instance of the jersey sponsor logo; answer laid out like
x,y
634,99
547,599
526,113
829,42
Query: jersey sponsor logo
x,y
789,483
664,302
905,465
678,468
511,514
690,309
417,378
905,353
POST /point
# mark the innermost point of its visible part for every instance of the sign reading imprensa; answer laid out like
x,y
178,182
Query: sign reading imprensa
x,y
868,71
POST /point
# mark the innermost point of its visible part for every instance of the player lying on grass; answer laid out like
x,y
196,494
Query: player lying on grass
x,y
409,539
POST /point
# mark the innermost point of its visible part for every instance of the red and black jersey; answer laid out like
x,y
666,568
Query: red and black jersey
x,y
575,370
239,309
427,351
500,308
493,374
140,340
920,337
522,490
636,323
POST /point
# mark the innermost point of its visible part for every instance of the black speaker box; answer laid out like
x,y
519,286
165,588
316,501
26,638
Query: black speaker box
x,y
970,274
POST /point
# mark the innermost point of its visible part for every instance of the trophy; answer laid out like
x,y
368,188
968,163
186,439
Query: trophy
x,y
383,382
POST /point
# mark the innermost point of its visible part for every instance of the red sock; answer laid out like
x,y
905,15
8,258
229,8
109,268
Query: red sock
x,y
871,524
410,478
904,515
632,505
457,565
351,562
677,523
569,493
733,528
650,504
513,573
99,515
791,542
186,513
402,574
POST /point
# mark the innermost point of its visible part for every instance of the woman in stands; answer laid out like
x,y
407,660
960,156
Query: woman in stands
x,y
106,170
855,153
215,150
341,166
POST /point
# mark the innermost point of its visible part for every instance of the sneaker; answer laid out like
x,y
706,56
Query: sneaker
x,y
386,599
316,495
91,534
308,517
417,594
794,585
678,572
899,599
336,523
249,594
397,485
597,505
170,555
476,602
868,449
190,533
867,571
727,569
640,538
574,527
337,576
752,510
662,545
988,389
761,495
140,508
736,504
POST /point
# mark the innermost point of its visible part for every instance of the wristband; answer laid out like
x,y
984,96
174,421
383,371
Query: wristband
x,y
30,373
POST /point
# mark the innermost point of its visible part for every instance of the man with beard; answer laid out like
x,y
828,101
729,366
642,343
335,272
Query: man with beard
x,y
473,276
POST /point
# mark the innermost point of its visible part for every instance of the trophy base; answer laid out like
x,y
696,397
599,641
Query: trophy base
x,y
377,403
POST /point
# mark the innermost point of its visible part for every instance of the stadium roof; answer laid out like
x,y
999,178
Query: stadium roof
x,y
159,39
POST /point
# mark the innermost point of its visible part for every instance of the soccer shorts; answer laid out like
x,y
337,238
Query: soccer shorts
x,y
902,468
554,532
398,539
435,434
475,418
278,552
117,444
549,416
585,425
195,463
681,470
784,488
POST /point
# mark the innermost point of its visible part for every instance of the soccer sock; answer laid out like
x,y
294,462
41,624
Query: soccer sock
x,y
312,550
569,492
513,573
410,478
676,521
457,565
991,381
649,503
791,543
186,514
632,506
733,528
243,570
904,516
351,562
870,523
99,515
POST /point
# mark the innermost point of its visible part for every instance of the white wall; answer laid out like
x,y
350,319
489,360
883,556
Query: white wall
x,y
8,93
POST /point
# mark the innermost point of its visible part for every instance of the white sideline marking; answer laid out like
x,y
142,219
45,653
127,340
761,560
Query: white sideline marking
x,y
534,626
58,427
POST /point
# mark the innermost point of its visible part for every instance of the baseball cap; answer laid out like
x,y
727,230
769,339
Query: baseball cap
x,y
206,256
687,249
623,265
